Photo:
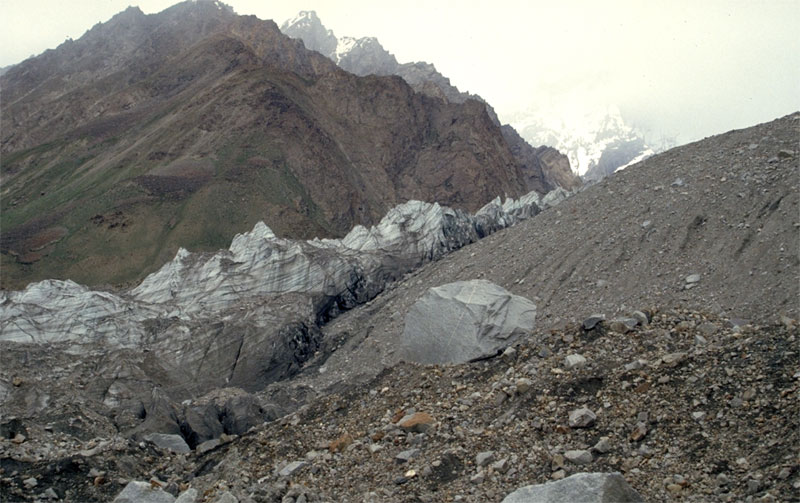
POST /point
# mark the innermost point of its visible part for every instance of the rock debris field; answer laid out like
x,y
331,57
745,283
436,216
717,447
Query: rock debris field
x,y
664,349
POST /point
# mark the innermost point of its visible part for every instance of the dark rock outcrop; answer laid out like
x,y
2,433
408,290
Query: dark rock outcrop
x,y
543,168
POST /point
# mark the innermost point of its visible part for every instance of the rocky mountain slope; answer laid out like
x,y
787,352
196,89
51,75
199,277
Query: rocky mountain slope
x,y
686,383
182,128
544,168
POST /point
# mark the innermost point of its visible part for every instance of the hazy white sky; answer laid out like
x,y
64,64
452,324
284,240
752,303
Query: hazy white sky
x,y
692,68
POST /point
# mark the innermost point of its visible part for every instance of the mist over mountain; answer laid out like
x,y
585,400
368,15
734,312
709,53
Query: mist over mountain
x,y
597,141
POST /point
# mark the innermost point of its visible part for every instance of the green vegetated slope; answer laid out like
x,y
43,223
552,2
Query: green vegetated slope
x,y
186,140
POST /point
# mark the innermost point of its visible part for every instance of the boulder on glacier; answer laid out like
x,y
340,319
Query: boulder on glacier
x,y
583,487
462,321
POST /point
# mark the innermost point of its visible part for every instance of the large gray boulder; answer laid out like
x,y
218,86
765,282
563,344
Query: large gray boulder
x,y
142,492
463,321
578,488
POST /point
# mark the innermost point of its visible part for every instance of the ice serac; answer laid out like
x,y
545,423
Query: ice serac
x,y
64,311
583,487
463,321
246,316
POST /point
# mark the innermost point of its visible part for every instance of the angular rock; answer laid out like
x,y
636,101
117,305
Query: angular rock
x,y
523,384
484,458
581,487
603,445
174,443
419,422
579,457
406,456
692,278
143,492
623,325
592,321
187,496
582,418
574,361
641,317
463,321
290,468
639,431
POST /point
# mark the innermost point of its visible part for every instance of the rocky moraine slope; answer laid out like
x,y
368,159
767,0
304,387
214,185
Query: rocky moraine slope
x,y
183,128
658,341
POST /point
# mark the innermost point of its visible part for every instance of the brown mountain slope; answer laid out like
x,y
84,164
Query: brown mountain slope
x,y
186,127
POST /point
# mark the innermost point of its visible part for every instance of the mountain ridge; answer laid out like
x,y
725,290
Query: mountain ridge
x,y
203,123
366,56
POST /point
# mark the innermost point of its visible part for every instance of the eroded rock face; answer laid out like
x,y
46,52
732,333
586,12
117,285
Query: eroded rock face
x,y
584,487
463,321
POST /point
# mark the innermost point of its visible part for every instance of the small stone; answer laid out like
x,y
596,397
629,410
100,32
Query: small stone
x,y
574,361
784,473
406,456
673,359
50,493
753,486
30,483
592,321
498,396
641,317
341,443
674,488
400,480
291,468
484,458
17,382
785,154
698,415
579,457
639,431
410,474
510,353
646,224
373,448
501,466
678,182
623,325
700,340
478,478
419,422
18,438
603,445
558,475
635,365
523,384
582,418
170,442
692,278
139,491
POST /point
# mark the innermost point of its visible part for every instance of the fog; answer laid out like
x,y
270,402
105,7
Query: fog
x,y
684,69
